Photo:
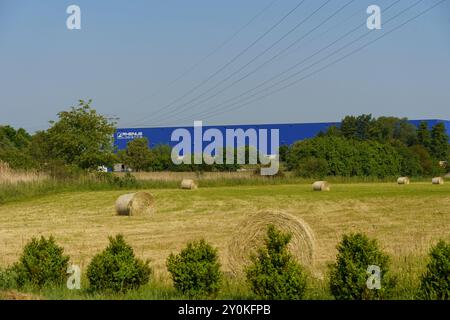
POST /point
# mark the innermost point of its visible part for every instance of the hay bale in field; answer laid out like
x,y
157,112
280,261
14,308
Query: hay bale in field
x,y
321,186
250,235
437,180
188,184
135,204
403,180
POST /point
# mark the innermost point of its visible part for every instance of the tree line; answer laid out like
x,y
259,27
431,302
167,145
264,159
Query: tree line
x,y
81,139
368,146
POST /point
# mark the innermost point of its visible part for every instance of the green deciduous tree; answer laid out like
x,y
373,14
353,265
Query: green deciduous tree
x,y
14,147
425,160
81,137
423,135
439,142
137,155
346,157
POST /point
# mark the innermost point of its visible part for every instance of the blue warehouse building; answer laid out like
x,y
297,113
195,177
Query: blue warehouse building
x,y
289,133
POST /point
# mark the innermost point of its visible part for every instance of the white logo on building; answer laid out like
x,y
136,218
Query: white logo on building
x,y
128,135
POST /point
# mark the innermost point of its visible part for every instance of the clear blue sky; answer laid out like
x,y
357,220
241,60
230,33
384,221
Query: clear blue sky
x,y
127,53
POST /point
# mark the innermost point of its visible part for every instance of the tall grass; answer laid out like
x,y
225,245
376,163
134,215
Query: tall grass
x,y
11,177
232,289
20,185
26,190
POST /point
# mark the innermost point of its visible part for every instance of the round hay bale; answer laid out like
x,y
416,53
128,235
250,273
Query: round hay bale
x,y
437,180
188,184
403,180
135,204
321,186
250,235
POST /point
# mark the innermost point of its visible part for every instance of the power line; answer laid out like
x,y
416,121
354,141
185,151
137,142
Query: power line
x,y
290,68
223,67
330,64
186,105
210,54
277,55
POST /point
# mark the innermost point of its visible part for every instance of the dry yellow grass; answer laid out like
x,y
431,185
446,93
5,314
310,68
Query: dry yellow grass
x,y
406,221
9,176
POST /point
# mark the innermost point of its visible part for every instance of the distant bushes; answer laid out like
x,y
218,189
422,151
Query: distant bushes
x,y
337,156
195,271
128,181
274,274
312,167
140,157
366,146
117,269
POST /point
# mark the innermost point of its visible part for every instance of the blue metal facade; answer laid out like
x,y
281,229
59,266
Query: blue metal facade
x,y
289,133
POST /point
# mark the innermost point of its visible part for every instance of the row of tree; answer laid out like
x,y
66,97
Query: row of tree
x,y
82,139
392,129
139,156
365,146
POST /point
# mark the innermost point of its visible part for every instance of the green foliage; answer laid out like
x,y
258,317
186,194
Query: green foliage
x,y
14,145
128,181
140,158
195,271
348,275
346,157
160,159
383,129
312,168
61,171
359,127
137,155
426,148
8,279
117,269
426,162
435,282
42,263
274,274
423,135
283,152
80,137
410,164
439,142
17,138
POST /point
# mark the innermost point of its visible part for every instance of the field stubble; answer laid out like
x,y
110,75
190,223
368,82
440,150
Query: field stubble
x,y
406,220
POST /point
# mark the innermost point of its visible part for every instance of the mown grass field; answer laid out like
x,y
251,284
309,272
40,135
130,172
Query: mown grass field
x,y
406,220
